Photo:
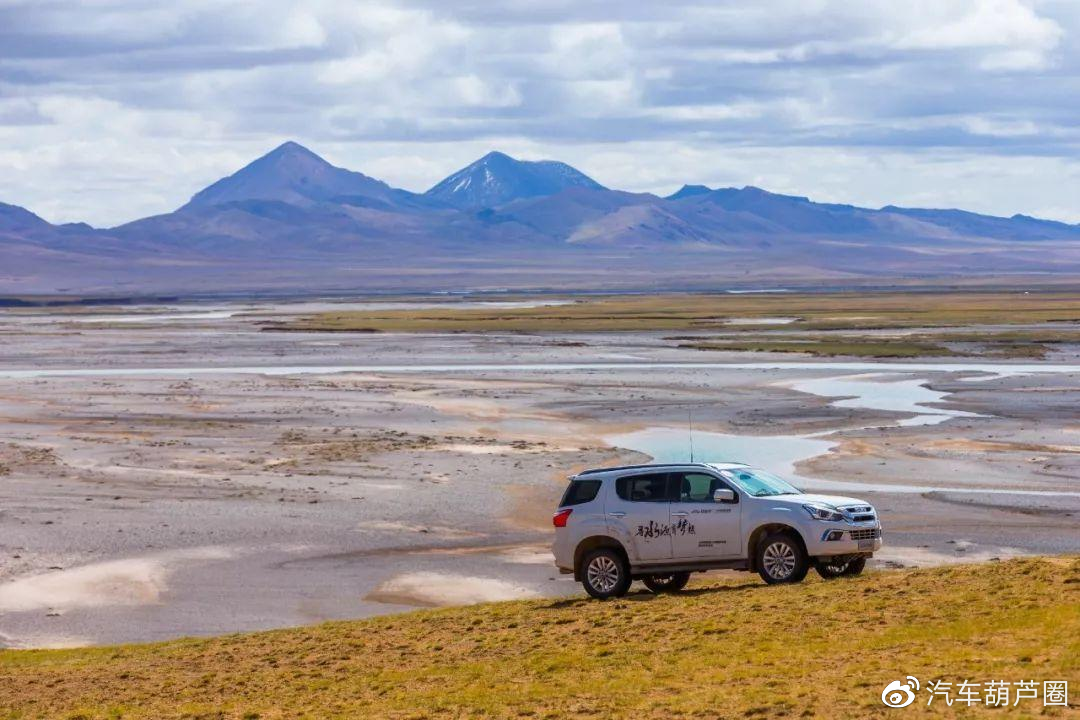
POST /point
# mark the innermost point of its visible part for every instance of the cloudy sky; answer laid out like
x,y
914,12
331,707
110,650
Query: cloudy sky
x,y
115,109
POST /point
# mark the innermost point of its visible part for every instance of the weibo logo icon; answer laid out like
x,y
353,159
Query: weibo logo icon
x,y
898,695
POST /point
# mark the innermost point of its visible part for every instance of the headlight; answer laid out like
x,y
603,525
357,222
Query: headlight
x,y
824,513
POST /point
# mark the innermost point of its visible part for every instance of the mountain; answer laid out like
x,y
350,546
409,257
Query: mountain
x,y
497,179
689,191
759,210
16,219
292,221
293,174
969,224
557,217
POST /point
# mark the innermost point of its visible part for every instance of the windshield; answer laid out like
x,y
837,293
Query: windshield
x,y
759,483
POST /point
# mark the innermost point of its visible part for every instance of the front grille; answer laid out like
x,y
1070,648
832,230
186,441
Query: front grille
x,y
866,534
860,513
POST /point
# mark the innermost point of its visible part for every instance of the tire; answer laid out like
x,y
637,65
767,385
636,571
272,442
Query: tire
x,y
605,574
831,571
781,559
667,583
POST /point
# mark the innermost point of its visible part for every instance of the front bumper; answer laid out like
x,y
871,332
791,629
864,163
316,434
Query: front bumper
x,y
844,539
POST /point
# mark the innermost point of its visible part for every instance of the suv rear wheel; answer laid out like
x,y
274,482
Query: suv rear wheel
x,y
831,569
781,559
673,582
604,574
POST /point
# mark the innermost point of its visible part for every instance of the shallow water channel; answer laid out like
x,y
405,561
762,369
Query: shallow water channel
x,y
780,453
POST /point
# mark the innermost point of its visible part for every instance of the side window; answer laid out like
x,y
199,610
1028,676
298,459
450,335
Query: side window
x,y
643,488
698,487
580,491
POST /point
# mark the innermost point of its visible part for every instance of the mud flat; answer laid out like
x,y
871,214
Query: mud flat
x,y
190,473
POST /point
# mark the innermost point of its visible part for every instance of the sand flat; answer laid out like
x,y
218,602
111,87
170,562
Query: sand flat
x,y
430,589
131,581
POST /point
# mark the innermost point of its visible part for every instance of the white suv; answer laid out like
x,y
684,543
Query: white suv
x,y
659,523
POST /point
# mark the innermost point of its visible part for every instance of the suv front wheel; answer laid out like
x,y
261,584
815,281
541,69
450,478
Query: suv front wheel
x,y
604,574
781,559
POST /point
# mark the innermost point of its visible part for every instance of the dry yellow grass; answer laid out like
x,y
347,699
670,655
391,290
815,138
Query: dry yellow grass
x,y
852,310
725,648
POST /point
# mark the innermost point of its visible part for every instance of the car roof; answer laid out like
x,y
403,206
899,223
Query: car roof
x,y
661,466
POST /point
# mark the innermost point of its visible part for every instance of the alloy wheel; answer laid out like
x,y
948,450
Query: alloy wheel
x,y
779,560
603,573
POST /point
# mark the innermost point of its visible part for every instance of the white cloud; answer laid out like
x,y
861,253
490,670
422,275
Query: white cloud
x,y
713,111
978,24
600,98
390,44
302,29
474,91
593,50
1015,60
1000,128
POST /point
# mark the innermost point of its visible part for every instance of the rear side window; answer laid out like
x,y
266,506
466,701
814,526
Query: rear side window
x,y
643,488
580,491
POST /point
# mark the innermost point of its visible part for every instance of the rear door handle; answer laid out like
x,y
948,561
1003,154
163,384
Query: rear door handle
x,y
617,514
679,514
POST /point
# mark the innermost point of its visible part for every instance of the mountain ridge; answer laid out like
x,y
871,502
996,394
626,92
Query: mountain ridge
x,y
291,217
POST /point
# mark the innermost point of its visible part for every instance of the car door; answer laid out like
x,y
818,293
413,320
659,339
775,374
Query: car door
x,y
637,513
701,527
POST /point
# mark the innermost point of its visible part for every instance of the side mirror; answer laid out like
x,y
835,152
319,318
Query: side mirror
x,y
723,495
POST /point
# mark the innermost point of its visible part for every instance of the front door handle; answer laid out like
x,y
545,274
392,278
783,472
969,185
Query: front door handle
x,y
679,514
617,514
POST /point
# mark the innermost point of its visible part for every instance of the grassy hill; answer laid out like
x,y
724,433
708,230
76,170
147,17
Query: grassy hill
x,y
727,647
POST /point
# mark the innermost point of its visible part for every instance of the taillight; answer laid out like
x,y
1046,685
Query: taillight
x,y
559,519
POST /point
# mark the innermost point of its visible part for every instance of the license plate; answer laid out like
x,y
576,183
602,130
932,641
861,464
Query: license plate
x,y
866,544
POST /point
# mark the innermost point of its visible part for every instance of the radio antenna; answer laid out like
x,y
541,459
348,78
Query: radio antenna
x,y
690,423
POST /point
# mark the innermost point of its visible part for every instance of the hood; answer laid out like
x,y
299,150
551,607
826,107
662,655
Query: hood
x,y
807,498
